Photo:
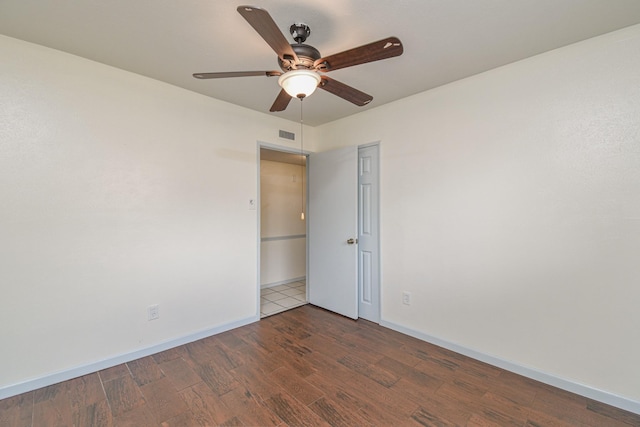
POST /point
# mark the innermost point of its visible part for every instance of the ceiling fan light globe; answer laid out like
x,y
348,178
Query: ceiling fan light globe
x,y
299,83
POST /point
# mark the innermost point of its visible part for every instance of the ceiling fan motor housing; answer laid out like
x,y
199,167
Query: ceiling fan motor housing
x,y
307,55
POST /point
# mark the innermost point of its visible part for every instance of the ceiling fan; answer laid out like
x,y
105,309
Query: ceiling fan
x,y
302,64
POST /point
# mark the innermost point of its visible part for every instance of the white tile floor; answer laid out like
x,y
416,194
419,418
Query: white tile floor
x,y
282,297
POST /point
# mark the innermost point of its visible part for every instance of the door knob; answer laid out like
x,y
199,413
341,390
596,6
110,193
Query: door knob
x,y
352,241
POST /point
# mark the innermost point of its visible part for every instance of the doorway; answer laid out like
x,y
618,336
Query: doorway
x,y
283,233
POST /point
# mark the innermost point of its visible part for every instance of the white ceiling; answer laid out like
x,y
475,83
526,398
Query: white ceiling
x,y
444,40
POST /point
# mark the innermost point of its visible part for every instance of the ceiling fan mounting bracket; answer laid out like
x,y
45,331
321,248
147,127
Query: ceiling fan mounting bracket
x,y
300,32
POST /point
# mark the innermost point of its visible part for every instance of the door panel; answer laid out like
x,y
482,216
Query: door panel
x,y
366,292
332,217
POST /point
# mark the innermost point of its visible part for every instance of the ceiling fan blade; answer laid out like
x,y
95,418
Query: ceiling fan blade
x,y
226,74
345,92
262,22
281,102
382,49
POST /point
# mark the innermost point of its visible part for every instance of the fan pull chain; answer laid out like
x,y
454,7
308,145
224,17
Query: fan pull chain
x,y
301,163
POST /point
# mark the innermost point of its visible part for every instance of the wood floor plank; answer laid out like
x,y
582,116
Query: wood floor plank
x,y
49,392
179,373
542,419
200,351
374,372
163,399
355,343
263,339
17,410
433,361
114,372
468,396
123,395
249,409
400,370
298,387
296,331
54,412
336,414
513,387
53,405
426,418
326,363
294,347
85,390
145,370
376,403
232,422
462,389
171,354
205,406
232,340
226,357
260,385
307,366
97,414
217,378
261,360
139,416
183,420
491,401
613,413
411,391
479,369
293,412
433,406
490,417
390,350
320,326
571,408
300,364
327,346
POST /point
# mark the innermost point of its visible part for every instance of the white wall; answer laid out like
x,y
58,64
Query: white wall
x,y
510,209
118,192
284,245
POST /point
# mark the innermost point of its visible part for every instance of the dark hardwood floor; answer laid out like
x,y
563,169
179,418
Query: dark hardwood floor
x,y
306,367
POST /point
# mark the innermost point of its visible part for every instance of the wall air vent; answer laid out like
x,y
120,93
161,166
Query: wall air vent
x,y
287,135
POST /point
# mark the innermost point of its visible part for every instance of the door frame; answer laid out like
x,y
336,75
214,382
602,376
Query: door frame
x,y
377,227
283,149
293,150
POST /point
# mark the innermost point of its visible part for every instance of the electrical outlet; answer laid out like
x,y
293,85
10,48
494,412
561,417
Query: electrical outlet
x,y
406,298
153,312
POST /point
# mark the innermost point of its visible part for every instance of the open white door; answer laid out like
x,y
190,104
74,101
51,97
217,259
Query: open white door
x,y
333,216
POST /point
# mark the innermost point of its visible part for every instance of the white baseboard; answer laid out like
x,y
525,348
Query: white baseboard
x,y
283,282
56,377
562,383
